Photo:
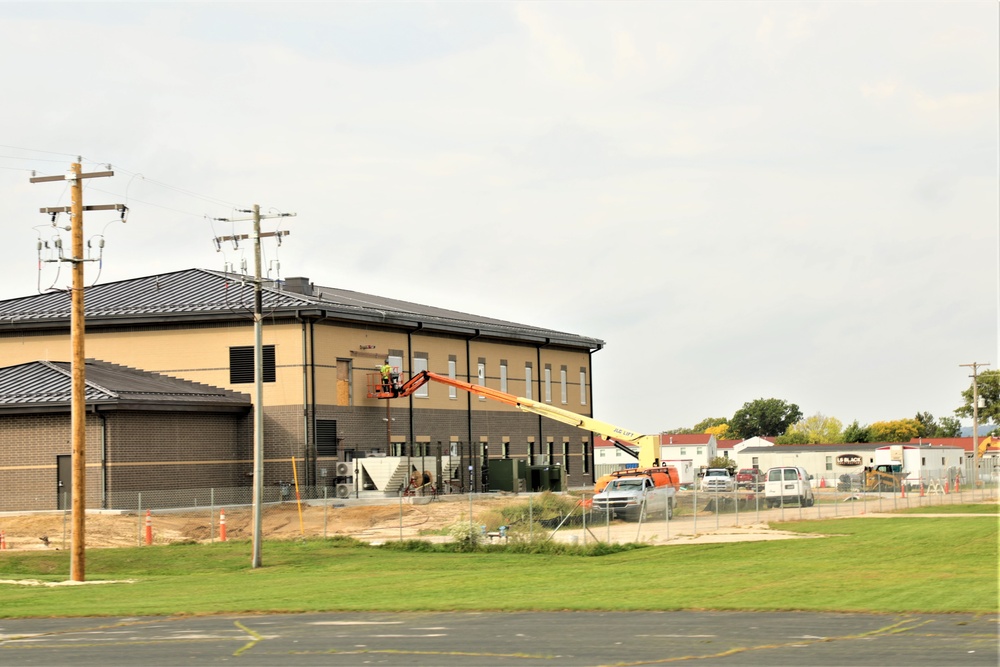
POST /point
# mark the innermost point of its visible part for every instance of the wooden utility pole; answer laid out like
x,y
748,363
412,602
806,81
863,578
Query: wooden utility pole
x,y
78,411
975,420
258,370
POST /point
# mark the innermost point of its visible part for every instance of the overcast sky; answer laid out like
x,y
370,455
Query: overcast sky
x,y
793,200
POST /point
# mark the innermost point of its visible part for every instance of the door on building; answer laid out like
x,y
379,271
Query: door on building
x,y
64,482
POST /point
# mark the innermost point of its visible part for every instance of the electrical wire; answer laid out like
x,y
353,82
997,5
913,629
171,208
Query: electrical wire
x,y
38,150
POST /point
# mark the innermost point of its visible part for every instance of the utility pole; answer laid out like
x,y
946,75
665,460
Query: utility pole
x,y
78,409
975,420
258,367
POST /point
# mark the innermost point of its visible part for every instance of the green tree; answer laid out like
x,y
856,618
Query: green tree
x,y
989,394
722,462
814,430
764,417
791,437
857,433
927,425
899,430
946,427
949,427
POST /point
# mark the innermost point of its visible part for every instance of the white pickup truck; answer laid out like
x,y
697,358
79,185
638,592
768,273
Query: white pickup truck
x,y
717,479
632,498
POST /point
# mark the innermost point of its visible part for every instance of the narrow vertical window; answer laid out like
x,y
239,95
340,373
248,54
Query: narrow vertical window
x,y
565,456
527,381
481,375
585,453
563,396
452,364
583,386
420,364
503,375
548,383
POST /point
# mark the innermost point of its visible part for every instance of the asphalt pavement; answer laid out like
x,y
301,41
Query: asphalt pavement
x,y
577,639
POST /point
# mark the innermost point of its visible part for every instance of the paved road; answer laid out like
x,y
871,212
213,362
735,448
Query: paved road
x,y
529,639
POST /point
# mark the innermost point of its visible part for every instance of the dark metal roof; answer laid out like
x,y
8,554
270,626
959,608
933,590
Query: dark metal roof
x,y
209,295
47,383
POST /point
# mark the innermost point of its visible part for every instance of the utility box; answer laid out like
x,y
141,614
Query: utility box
x,y
508,475
547,478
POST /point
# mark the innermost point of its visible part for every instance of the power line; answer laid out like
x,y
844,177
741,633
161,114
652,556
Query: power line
x,y
38,150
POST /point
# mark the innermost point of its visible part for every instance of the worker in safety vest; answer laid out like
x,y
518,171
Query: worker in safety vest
x,y
386,371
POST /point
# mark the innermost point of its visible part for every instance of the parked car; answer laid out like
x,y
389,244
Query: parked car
x,y
787,484
717,479
750,478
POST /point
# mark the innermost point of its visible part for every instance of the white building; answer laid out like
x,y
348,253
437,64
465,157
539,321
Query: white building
x,y
826,463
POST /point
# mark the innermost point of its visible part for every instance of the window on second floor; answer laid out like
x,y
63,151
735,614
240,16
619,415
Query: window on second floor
x,y
452,369
420,364
481,375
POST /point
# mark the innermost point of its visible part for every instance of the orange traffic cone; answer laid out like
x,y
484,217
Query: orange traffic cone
x,y
3,539
149,528
222,525
957,478
946,485
902,489
822,482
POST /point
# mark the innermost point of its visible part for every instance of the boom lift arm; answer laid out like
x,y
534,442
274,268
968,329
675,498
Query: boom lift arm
x,y
649,445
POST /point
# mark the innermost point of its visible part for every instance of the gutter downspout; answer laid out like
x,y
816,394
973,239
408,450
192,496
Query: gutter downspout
x,y
312,374
468,408
541,396
306,431
104,458
409,352
590,397
309,397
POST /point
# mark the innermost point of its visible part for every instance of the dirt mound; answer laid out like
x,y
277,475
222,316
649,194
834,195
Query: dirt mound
x,y
287,520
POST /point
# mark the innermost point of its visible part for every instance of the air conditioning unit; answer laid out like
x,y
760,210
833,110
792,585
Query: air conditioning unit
x,y
344,490
344,469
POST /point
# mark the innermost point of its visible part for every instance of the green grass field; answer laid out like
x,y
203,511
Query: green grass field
x,y
979,508
919,564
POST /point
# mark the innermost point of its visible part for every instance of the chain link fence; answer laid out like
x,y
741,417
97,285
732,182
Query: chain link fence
x,y
213,514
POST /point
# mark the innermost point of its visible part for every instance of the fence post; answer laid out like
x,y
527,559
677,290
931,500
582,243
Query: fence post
x,y
736,499
138,515
211,514
694,508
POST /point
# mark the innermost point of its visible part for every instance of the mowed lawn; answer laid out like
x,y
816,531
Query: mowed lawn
x,y
903,564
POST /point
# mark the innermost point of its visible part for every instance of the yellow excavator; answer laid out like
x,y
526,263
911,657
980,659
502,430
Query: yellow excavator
x,y
985,444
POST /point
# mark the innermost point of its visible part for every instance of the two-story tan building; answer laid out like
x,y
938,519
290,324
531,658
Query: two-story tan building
x,y
320,347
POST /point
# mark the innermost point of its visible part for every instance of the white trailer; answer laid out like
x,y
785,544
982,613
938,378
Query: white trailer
x,y
927,462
